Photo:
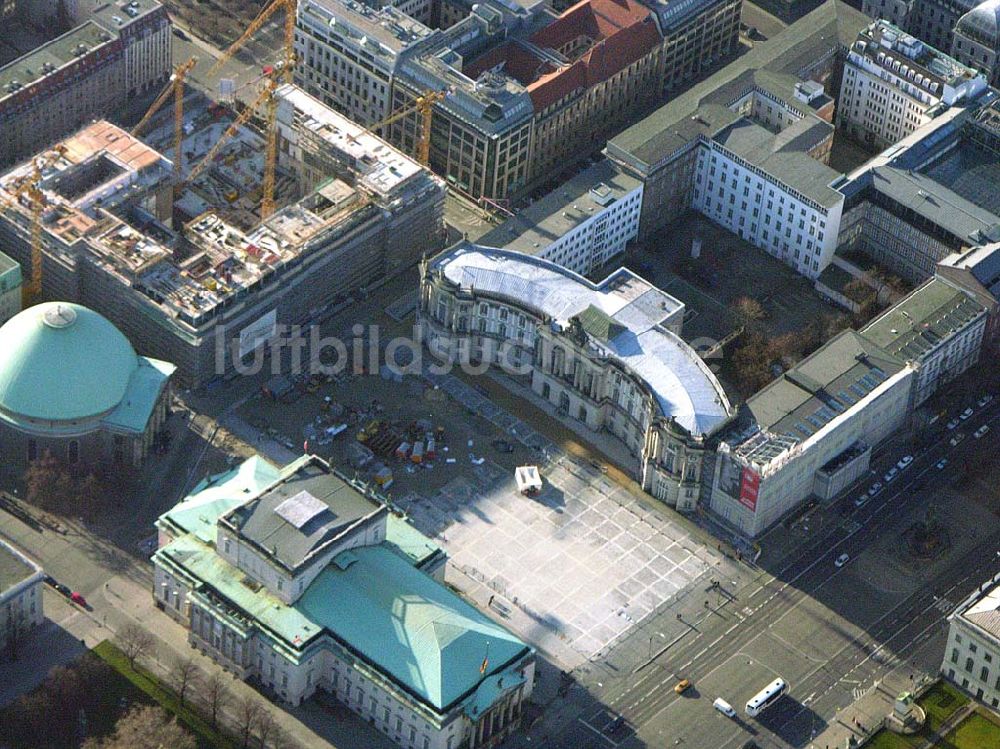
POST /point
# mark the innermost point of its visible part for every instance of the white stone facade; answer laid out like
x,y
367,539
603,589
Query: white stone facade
x,y
972,656
20,598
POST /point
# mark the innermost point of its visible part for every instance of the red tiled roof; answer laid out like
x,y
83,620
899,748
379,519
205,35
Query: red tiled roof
x,y
518,62
622,32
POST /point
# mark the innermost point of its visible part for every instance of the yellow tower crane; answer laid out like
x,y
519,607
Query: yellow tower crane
x,y
290,7
176,85
266,95
423,104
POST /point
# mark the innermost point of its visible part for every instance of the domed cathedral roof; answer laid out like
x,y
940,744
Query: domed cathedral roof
x,y
62,362
982,24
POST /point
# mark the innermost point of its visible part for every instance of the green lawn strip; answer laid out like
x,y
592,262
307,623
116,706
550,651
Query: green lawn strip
x,y
150,685
975,732
888,740
940,702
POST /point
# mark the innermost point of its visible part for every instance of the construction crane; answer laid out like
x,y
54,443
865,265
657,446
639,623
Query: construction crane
x,y
176,85
266,96
28,188
425,106
290,7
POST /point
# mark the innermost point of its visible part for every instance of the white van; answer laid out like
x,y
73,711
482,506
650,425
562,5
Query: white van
x,y
724,707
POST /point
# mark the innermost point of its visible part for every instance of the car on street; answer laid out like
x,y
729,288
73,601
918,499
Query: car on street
x,y
750,744
956,439
617,724
180,34
965,414
49,580
891,475
904,462
842,560
63,589
981,431
940,465
875,488
985,400
682,686
503,446
861,500
78,599
953,424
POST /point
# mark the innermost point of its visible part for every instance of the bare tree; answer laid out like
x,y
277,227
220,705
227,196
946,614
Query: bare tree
x,y
747,310
145,727
216,695
185,674
248,712
135,643
267,727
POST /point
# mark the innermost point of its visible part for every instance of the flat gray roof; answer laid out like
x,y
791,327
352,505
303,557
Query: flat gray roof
x,y
323,506
784,155
918,322
562,210
14,567
823,385
831,26
56,53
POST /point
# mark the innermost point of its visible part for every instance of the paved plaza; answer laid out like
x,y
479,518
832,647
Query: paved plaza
x,y
584,560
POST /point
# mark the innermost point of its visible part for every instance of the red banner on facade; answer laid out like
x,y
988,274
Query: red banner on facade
x,y
749,486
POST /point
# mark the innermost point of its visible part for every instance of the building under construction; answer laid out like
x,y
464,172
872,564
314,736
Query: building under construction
x,y
110,55
204,293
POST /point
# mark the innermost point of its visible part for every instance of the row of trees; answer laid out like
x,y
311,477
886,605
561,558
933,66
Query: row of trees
x,y
255,725
63,489
70,701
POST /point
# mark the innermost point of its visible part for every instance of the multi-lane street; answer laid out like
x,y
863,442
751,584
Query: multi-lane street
x,y
831,632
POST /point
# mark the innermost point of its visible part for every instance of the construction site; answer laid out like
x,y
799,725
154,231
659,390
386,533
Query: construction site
x,y
220,247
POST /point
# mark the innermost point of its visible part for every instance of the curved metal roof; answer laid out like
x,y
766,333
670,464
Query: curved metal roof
x,y
982,24
684,387
62,362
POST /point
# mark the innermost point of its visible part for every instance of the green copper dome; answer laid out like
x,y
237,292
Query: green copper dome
x,y
62,362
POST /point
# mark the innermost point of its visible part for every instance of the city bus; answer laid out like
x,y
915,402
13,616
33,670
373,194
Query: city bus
x,y
766,697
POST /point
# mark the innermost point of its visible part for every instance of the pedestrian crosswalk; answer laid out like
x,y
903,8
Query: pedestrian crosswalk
x,y
943,605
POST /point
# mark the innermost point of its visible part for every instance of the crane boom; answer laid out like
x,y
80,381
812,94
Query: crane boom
x,y
255,26
175,83
270,158
425,105
267,92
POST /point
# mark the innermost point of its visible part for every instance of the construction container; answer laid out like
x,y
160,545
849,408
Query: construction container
x,y
529,481
431,451
383,477
417,456
403,451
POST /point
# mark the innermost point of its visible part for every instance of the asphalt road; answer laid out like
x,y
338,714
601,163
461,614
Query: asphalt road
x,y
832,633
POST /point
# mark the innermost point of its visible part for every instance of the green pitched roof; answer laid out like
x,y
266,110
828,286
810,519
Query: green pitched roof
x,y
218,494
600,324
61,362
408,624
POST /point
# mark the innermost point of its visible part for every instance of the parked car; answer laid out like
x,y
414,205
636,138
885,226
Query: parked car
x,y
842,560
891,475
904,462
503,446
49,580
956,439
981,431
941,464
724,707
861,500
682,686
78,599
63,589
965,414
617,724
985,400
180,34
875,488
953,424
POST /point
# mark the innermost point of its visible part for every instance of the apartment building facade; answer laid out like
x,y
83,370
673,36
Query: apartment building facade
x,y
582,224
697,34
893,84
113,55
20,597
937,327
